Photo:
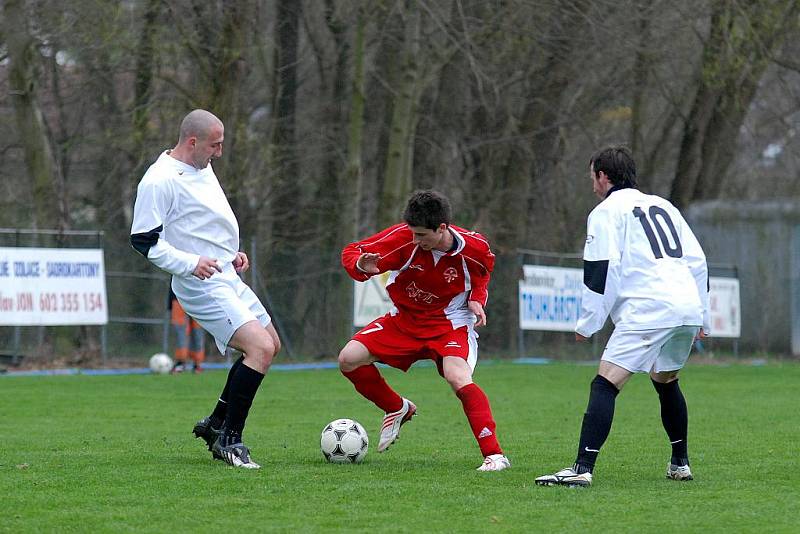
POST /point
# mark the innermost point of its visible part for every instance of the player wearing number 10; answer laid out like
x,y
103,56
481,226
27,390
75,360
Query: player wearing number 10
x,y
643,266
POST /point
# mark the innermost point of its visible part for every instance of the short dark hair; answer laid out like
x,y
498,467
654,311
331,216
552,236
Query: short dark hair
x,y
617,162
428,209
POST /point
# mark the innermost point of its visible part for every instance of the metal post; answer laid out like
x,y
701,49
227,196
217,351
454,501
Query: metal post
x,y
103,332
104,344
794,290
520,332
165,333
15,350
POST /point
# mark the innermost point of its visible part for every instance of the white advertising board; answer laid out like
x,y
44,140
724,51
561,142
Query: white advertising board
x,y
726,317
550,298
49,286
370,300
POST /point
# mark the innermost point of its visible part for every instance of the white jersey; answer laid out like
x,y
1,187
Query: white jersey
x,y
180,214
642,265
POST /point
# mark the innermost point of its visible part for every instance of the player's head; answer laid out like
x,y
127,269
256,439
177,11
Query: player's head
x,y
616,162
428,216
427,209
201,136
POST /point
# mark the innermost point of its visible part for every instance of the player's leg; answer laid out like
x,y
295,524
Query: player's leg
x,y
674,413
357,363
257,343
626,353
209,427
599,414
358,366
475,403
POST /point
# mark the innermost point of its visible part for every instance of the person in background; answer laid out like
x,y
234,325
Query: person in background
x,y
190,338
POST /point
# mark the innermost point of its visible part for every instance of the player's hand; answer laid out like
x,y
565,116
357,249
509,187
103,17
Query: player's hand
x,y
580,338
701,334
368,262
477,309
240,262
206,267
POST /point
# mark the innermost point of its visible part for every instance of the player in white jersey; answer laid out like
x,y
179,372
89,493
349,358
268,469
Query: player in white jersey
x,y
643,266
183,224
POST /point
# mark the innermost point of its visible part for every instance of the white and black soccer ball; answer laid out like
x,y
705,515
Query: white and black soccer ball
x,y
160,363
344,441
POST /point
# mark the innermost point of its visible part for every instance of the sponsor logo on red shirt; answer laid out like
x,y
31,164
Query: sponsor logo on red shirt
x,y
419,295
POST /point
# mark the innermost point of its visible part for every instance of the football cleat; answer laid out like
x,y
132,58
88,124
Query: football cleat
x,y
390,429
494,462
204,429
235,453
679,472
566,477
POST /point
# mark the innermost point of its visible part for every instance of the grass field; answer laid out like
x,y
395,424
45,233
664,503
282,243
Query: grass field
x,y
115,453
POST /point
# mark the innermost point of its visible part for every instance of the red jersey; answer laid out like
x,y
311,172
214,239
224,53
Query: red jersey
x,y
429,288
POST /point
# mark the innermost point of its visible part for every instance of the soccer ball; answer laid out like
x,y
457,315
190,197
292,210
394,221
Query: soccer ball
x,y
160,363
344,441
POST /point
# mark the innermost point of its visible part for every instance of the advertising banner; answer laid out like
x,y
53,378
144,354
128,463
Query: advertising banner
x,y
49,286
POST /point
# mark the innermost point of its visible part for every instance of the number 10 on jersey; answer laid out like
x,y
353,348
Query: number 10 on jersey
x,y
657,216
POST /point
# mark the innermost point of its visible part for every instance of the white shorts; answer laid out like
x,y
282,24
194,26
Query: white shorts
x,y
659,350
221,304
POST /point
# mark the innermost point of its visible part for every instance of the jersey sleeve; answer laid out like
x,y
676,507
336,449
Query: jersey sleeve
x,y
147,231
480,262
695,259
388,243
601,271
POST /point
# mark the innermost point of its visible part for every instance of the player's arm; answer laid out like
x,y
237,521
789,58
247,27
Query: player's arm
x,y
376,254
695,258
601,272
480,263
147,234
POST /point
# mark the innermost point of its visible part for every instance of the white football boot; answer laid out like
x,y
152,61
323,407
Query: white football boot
x,y
566,477
230,449
390,429
679,472
494,462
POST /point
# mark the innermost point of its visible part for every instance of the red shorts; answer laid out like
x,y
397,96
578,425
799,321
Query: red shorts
x,y
399,350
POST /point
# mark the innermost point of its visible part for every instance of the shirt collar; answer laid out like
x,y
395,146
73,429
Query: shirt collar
x,y
618,187
458,242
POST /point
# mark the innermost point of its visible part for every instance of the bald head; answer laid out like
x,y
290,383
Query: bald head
x,y
200,140
198,123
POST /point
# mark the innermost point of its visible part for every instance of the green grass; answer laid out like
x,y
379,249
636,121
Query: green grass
x,y
115,454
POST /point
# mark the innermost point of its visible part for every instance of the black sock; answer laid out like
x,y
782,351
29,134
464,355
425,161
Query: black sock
x,y
221,409
244,385
675,418
596,423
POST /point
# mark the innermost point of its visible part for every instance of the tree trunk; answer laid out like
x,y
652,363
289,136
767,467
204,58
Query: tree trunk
x,y
738,50
397,182
43,169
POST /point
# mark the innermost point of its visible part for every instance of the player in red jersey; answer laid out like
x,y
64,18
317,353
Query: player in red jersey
x,y
438,284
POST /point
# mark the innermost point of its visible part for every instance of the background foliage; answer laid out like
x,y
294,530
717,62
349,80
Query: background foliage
x,y
335,111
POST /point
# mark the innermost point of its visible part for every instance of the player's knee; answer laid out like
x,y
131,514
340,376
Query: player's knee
x,y
260,353
457,380
345,361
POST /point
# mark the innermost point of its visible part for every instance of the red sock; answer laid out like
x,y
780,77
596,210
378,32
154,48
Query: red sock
x,y
479,415
369,382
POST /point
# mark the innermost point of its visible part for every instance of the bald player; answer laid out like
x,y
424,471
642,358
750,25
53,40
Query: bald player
x,y
183,224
